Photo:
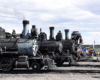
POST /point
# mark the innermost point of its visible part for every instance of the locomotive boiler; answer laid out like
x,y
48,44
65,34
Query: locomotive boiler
x,y
51,45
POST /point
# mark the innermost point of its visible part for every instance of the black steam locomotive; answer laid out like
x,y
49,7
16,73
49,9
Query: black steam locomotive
x,y
27,50
59,49
19,52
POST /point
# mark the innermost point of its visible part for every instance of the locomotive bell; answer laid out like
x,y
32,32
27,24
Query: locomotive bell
x,y
66,34
25,29
51,33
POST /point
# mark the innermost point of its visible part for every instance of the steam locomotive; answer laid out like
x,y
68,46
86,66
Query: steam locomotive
x,y
68,47
35,50
19,52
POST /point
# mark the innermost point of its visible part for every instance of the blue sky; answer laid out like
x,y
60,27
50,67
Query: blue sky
x,y
75,15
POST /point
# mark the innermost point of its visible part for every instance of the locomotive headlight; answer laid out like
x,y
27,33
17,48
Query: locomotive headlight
x,y
34,49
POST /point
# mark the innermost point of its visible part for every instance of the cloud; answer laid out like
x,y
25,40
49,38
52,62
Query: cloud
x,y
78,15
90,5
89,37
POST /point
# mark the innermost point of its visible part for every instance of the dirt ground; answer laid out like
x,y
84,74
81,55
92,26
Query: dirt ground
x,y
87,71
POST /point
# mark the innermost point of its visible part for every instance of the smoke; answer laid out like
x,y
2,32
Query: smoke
x,y
18,14
13,13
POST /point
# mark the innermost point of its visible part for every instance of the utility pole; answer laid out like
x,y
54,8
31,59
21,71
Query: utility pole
x,y
94,44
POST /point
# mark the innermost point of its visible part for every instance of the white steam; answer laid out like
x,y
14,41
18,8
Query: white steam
x,y
13,13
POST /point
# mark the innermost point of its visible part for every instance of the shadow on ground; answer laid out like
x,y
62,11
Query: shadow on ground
x,y
80,65
50,71
98,77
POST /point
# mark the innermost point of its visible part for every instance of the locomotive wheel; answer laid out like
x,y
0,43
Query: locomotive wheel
x,y
6,64
36,66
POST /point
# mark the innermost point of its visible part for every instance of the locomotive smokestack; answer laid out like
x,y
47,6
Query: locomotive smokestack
x,y
51,33
25,29
66,34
